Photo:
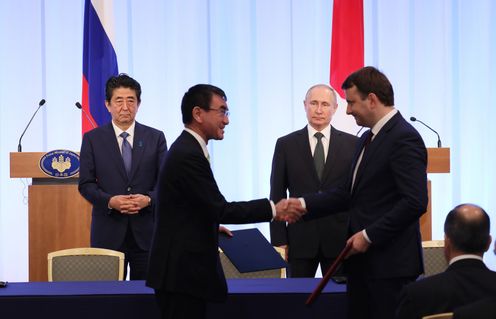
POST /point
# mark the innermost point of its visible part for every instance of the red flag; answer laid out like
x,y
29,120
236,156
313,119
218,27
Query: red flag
x,y
347,41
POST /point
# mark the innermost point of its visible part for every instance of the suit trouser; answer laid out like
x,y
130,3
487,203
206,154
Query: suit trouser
x,y
180,306
135,257
373,298
307,267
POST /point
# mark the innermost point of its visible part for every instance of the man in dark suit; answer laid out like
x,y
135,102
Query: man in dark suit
x,y
296,169
385,195
466,280
482,309
184,267
119,168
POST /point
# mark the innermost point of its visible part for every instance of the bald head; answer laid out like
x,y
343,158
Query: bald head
x,y
467,229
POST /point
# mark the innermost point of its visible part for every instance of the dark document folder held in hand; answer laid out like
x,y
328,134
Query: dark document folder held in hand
x,y
250,251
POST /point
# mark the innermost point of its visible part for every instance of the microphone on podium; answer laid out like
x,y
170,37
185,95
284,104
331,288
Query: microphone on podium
x,y
40,104
79,106
414,119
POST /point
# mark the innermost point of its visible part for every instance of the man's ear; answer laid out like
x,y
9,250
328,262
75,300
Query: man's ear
x,y
447,241
197,114
489,242
373,99
447,248
334,108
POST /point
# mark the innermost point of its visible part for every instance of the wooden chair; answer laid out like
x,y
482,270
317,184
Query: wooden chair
x,y
434,260
85,264
446,315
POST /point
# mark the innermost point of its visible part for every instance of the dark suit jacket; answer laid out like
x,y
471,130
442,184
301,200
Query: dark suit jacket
x,y
102,175
482,309
184,256
389,196
293,170
464,282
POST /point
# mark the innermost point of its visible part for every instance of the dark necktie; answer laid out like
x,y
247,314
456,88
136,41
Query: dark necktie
x,y
127,152
368,139
318,155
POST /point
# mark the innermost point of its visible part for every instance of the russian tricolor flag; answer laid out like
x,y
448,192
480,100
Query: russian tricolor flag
x,y
99,60
347,48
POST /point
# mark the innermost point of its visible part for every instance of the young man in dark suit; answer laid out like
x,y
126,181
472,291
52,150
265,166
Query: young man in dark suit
x,y
466,280
119,167
385,195
306,161
184,267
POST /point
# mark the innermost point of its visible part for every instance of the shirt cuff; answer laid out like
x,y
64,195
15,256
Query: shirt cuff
x,y
366,236
302,202
273,207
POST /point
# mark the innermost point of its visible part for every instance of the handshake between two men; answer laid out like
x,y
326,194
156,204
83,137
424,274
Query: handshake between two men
x,y
289,210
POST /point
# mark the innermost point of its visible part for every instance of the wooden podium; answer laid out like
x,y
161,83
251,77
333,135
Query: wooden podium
x,y
59,217
438,161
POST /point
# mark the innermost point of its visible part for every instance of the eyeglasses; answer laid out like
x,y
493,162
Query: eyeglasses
x,y
222,111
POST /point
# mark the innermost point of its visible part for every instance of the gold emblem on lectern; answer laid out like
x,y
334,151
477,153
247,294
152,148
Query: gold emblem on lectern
x,y
60,163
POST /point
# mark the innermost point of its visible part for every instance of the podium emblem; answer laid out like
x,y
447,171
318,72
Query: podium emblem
x,y
60,164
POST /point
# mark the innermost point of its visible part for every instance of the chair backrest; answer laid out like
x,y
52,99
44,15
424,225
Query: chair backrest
x,y
231,272
434,260
85,264
446,315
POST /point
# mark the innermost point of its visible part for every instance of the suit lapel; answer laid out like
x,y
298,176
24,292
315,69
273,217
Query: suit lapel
x,y
115,152
332,151
367,154
138,148
373,147
190,141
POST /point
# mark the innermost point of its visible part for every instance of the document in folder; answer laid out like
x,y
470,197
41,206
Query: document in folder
x,y
250,251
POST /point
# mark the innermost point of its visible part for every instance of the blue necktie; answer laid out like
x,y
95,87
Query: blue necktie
x,y
127,152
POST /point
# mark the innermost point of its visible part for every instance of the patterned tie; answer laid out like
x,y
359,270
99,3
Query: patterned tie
x,y
318,155
368,139
127,152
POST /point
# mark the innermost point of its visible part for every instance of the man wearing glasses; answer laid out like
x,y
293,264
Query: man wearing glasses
x,y
184,265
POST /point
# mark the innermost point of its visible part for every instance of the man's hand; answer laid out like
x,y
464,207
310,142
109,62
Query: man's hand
x,y
358,244
140,201
121,203
129,204
225,230
289,210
